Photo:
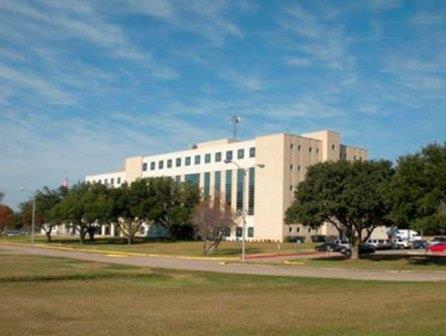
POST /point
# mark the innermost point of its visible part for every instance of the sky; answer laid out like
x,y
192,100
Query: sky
x,y
85,84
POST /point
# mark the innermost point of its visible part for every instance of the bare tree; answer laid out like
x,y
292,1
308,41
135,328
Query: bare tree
x,y
212,221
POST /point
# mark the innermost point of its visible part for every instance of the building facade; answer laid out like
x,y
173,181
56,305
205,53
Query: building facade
x,y
274,165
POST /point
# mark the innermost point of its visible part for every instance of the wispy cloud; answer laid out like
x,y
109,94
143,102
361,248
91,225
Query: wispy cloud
x,y
243,81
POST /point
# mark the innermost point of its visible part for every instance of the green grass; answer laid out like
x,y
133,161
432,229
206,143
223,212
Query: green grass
x,y
379,262
101,299
182,248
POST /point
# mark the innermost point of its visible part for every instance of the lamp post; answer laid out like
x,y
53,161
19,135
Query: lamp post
x,y
243,212
33,220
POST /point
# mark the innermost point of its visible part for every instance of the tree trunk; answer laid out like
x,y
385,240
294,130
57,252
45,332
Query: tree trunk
x,y
91,231
48,236
354,255
82,233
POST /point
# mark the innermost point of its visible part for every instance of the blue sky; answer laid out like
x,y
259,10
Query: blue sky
x,y
85,84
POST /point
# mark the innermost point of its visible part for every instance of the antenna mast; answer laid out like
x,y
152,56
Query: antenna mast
x,y
235,120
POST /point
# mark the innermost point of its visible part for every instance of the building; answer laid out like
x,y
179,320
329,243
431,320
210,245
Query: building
x,y
265,193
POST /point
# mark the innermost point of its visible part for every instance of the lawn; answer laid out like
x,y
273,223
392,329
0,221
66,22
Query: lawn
x,y
378,262
56,296
182,248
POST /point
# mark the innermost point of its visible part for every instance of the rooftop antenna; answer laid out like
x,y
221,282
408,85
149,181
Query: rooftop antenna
x,y
235,120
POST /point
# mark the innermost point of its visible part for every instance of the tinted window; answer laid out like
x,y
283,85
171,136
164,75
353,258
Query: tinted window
x,y
161,164
240,154
207,158
187,163
197,159
169,163
229,155
144,166
252,152
152,165
218,157
178,162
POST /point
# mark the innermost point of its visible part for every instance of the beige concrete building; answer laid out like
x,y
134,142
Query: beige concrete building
x,y
264,193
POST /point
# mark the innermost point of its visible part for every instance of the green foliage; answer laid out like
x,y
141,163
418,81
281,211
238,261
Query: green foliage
x,y
417,193
85,206
153,200
46,201
348,195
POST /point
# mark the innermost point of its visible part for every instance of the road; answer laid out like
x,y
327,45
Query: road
x,y
235,268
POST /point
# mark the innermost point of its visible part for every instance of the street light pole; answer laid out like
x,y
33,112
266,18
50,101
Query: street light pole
x,y
244,170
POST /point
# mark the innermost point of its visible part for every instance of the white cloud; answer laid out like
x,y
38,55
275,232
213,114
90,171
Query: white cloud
x,y
243,81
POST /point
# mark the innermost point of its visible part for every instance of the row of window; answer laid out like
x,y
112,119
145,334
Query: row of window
x,y
112,181
207,158
299,147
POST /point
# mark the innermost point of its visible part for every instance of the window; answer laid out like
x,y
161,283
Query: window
x,y
169,163
290,229
144,166
250,232
291,167
298,167
333,147
217,183
291,146
251,190
178,162
252,152
298,147
207,184
291,187
197,159
228,188
218,157
193,179
152,165
187,163
310,149
160,164
112,181
238,232
207,158
240,154
178,178
317,150
118,180
229,156
240,189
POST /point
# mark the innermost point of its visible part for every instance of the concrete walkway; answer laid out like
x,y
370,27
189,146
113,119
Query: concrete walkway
x,y
215,266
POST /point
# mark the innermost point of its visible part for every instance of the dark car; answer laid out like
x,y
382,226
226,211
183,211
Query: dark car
x,y
420,245
328,247
364,249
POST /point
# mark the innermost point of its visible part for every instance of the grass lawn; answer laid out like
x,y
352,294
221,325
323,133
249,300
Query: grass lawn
x,y
183,248
389,262
56,296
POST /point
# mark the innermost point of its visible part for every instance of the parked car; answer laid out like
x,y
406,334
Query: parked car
x,y
341,242
438,239
318,238
420,244
380,244
364,249
400,244
14,233
328,247
439,247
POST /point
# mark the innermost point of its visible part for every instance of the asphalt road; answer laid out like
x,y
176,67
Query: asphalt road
x,y
236,268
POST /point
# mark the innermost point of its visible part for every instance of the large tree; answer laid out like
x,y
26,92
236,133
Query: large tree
x,y
6,216
86,207
45,218
418,190
349,195
212,220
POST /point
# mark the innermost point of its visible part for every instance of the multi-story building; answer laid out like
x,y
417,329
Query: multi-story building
x,y
274,164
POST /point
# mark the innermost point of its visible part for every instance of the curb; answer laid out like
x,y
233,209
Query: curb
x,y
128,254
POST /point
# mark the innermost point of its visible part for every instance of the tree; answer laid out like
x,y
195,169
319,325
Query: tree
x,y
348,195
175,203
133,205
86,206
45,218
212,221
6,217
417,192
